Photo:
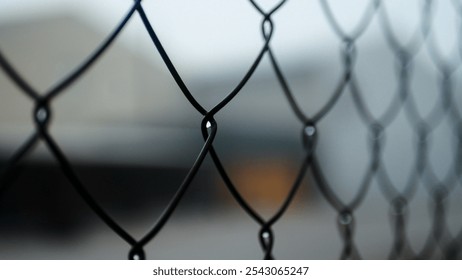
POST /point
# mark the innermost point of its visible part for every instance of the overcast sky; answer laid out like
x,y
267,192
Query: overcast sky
x,y
206,34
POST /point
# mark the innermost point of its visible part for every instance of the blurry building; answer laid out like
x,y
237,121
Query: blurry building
x,y
122,126
132,136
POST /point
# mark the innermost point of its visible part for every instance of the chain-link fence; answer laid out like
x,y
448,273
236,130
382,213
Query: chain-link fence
x,y
402,105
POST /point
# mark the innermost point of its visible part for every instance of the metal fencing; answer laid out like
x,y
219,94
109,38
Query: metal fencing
x,y
403,101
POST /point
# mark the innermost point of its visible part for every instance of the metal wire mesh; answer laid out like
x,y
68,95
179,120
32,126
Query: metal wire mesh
x,y
403,100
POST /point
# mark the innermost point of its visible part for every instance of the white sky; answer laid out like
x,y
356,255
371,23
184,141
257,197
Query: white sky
x,y
207,34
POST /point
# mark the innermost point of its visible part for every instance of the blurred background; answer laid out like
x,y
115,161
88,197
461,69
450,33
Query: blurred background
x,y
132,136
